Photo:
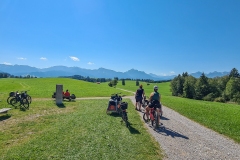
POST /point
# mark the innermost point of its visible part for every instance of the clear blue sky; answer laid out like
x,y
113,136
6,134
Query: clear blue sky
x,y
163,37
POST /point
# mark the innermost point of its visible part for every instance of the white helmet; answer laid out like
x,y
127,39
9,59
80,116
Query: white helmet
x,y
155,87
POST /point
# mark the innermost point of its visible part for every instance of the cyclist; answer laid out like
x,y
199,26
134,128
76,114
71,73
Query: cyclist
x,y
154,100
139,96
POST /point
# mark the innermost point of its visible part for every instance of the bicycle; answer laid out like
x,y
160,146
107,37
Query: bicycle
x,y
154,117
124,106
20,100
114,103
13,94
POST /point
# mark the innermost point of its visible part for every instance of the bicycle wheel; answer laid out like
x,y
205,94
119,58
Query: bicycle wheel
x,y
8,99
144,104
145,117
14,102
25,103
125,119
29,98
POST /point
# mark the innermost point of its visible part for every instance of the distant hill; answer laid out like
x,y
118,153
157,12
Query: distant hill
x,y
57,71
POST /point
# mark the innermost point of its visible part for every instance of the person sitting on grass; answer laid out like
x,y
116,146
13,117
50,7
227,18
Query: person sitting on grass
x,y
67,94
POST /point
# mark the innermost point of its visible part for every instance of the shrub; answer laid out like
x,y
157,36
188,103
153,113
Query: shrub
x,y
220,99
209,97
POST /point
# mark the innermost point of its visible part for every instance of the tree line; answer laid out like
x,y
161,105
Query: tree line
x,y
7,75
218,89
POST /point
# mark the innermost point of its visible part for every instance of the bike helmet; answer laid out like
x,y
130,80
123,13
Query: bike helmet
x,y
155,87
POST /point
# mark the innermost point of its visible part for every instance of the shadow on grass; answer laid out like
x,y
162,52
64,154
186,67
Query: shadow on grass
x,y
132,129
114,114
5,117
61,105
168,132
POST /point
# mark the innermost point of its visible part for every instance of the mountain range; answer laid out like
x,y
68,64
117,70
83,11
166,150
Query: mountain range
x,y
57,71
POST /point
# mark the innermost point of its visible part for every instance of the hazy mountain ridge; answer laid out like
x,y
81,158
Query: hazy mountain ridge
x,y
56,71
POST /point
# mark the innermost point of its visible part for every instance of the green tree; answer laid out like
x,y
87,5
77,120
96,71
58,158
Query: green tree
x,y
177,85
232,88
234,73
137,83
202,87
123,82
188,87
185,74
110,84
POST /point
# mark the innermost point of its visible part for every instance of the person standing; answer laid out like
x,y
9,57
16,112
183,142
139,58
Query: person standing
x,y
139,97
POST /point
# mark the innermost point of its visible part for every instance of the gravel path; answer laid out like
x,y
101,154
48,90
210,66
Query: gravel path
x,y
182,138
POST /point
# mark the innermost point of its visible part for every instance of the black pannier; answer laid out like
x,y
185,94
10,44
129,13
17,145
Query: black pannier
x,y
124,105
11,94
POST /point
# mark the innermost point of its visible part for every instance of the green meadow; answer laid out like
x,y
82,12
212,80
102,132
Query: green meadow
x,y
79,129
44,87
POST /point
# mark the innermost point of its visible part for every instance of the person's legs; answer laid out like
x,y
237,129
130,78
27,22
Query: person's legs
x,y
159,112
147,112
137,103
140,104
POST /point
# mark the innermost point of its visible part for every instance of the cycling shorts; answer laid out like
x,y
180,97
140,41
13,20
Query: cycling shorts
x,y
155,104
139,99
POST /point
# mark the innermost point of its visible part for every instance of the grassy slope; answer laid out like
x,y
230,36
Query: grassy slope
x,y
44,87
80,130
221,117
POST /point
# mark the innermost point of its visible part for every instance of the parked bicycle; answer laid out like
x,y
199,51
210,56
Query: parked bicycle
x,y
114,103
13,94
124,106
20,99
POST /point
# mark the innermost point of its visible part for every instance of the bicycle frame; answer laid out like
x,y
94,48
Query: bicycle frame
x,y
152,113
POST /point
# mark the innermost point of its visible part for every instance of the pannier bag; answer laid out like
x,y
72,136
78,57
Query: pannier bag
x,y
112,105
124,105
11,94
23,95
73,96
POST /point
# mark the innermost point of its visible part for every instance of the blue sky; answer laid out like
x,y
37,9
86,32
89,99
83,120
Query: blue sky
x,y
163,37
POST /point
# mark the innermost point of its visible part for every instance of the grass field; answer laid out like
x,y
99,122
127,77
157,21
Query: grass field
x,y
222,117
164,88
44,87
77,130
